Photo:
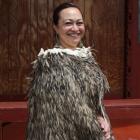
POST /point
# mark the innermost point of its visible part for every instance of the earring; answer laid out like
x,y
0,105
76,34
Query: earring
x,y
57,40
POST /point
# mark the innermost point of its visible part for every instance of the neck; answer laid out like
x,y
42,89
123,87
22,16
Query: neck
x,y
65,46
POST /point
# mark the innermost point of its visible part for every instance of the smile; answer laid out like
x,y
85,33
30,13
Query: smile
x,y
74,34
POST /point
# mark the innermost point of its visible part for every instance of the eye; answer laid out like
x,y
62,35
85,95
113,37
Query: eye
x,y
68,23
80,23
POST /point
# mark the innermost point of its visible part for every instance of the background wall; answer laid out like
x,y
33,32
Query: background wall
x,y
26,26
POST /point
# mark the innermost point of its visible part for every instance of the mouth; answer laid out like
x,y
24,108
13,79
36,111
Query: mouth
x,y
75,35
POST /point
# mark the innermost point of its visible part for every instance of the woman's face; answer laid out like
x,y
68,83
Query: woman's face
x,y
70,28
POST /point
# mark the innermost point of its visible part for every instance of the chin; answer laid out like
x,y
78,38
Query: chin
x,y
75,43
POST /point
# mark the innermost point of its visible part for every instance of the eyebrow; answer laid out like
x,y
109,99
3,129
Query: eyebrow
x,y
72,19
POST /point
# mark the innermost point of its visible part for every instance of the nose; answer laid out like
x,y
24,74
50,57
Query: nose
x,y
75,27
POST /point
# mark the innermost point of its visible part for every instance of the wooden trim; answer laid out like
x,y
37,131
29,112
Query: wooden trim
x,y
122,103
13,111
117,109
123,109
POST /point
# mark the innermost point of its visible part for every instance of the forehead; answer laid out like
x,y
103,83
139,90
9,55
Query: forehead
x,y
70,13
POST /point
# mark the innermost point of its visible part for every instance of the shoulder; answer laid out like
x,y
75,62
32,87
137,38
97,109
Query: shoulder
x,y
49,51
81,52
46,57
55,55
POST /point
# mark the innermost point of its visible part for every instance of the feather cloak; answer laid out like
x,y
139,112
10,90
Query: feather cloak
x,y
65,96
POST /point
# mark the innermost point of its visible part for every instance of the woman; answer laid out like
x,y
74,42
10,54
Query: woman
x,y
65,97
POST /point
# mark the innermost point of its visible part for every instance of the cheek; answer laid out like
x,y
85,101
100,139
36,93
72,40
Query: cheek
x,y
63,31
82,30
66,29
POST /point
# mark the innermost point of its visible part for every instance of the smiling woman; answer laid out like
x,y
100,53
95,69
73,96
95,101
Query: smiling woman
x,y
66,93
70,27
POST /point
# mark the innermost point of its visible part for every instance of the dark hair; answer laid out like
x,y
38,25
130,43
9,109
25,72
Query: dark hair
x,y
58,9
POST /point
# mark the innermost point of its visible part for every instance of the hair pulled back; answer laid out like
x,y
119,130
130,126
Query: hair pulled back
x,y
61,7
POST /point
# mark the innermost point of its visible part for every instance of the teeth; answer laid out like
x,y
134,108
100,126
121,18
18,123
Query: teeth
x,y
74,35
